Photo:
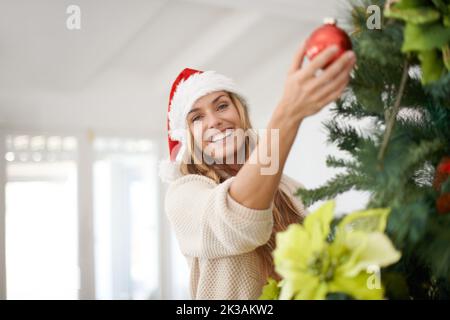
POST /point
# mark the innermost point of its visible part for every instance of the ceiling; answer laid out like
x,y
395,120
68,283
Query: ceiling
x,y
115,72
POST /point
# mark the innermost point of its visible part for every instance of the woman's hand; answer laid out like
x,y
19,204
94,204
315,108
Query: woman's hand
x,y
306,93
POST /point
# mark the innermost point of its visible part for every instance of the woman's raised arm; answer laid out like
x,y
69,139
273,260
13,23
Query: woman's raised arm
x,y
305,93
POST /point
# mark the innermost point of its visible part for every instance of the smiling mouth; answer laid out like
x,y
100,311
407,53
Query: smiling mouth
x,y
220,136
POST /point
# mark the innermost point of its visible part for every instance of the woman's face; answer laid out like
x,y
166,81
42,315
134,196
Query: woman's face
x,y
212,122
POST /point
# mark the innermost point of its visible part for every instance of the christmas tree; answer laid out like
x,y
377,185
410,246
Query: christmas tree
x,y
401,86
393,128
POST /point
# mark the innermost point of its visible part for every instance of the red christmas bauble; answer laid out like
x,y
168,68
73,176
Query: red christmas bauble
x,y
326,35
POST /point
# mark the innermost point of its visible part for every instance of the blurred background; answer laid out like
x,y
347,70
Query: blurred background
x,y
83,126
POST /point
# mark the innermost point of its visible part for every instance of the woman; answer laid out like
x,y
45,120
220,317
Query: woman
x,y
226,212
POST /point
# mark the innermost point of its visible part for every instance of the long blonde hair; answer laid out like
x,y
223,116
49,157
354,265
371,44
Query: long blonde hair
x,y
284,211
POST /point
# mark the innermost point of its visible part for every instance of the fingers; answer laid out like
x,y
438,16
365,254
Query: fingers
x,y
298,58
333,95
333,87
337,67
324,88
320,61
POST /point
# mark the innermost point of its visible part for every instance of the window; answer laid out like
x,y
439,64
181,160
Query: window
x,y
126,219
51,249
41,217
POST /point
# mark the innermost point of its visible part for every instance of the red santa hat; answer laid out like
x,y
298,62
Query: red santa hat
x,y
188,87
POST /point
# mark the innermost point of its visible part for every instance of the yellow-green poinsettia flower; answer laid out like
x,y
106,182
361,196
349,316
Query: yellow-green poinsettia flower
x,y
271,290
312,267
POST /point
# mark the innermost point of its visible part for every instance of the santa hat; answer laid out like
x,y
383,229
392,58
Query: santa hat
x,y
188,87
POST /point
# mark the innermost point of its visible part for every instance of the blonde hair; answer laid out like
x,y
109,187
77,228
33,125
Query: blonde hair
x,y
284,211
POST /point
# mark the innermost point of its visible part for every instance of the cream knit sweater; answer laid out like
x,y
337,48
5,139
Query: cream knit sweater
x,y
218,236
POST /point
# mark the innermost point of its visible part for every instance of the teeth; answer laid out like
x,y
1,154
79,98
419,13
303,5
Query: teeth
x,y
221,135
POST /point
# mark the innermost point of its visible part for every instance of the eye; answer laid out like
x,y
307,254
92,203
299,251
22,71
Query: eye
x,y
222,106
195,118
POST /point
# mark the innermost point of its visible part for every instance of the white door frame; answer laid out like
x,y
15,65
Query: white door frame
x,y
86,240
2,216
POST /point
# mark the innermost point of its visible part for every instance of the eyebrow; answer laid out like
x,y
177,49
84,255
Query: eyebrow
x,y
214,101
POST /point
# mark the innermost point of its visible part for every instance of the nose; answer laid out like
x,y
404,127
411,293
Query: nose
x,y
213,121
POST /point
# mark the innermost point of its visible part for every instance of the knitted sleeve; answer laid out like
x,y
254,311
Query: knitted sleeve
x,y
209,223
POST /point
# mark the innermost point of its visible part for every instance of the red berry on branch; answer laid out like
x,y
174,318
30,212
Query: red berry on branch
x,y
445,167
442,172
327,35
443,203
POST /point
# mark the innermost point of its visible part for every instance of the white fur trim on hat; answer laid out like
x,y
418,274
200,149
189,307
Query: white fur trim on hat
x,y
187,93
